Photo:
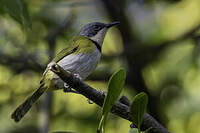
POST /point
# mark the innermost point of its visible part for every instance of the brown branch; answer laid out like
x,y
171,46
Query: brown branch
x,y
119,108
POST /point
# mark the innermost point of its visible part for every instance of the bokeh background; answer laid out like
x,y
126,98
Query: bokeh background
x,y
157,42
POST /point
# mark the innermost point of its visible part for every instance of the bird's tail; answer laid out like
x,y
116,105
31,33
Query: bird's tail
x,y
22,109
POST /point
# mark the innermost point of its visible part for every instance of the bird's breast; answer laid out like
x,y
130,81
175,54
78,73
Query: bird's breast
x,y
82,63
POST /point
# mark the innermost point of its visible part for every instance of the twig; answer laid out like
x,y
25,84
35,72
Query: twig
x,y
97,97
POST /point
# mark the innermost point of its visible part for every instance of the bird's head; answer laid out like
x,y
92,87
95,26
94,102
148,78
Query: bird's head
x,y
96,31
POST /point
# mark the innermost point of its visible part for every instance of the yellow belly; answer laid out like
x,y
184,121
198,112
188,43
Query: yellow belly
x,y
51,81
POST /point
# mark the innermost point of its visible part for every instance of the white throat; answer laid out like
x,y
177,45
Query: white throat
x,y
99,37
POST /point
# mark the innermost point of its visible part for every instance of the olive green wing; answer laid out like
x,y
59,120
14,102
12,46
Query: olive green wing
x,y
78,44
72,47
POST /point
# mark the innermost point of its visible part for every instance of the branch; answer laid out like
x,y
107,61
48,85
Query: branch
x,y
119,108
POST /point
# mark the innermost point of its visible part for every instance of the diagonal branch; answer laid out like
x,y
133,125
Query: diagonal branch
x,y
97,97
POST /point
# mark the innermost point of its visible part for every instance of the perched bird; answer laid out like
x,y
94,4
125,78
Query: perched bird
x,y
80,58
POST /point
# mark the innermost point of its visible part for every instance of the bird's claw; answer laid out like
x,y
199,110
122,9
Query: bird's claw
x,y
67,88
77,76
66,85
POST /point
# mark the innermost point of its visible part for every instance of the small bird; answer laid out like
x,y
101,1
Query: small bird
x,y
80,58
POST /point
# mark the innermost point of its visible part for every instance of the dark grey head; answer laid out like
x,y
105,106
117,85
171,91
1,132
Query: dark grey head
x,y
96,30
92,29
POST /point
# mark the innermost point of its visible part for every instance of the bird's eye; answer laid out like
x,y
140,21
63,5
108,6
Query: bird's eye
x,y
97,28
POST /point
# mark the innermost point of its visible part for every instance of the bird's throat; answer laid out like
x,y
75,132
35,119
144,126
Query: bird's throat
x,y
97,45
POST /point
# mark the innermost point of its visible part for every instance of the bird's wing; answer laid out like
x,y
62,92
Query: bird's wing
x,y
77,44
72,47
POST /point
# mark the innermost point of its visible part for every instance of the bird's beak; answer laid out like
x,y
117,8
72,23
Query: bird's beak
x,y
112,24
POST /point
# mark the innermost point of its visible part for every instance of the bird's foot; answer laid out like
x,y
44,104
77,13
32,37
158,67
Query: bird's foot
x,y
102,92
77,76
67,88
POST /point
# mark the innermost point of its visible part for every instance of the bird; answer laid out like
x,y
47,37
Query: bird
x,y
80,58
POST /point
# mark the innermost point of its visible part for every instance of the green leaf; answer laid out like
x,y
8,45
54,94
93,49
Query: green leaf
x,y
138,108
17,9
115,86
133,130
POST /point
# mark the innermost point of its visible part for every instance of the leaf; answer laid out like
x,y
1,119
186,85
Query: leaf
x,y
138,108
17,9
133,130
115,86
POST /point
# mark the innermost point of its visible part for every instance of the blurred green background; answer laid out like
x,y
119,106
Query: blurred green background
x,y
157,42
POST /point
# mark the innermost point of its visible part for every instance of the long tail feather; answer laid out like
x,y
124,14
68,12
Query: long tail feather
x,y
22,109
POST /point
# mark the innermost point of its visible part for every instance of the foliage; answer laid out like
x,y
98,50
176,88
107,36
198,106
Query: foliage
x,y
138,108
115,86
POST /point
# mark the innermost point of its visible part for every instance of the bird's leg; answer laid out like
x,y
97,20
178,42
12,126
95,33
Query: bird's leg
x,y
77,76
67,88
